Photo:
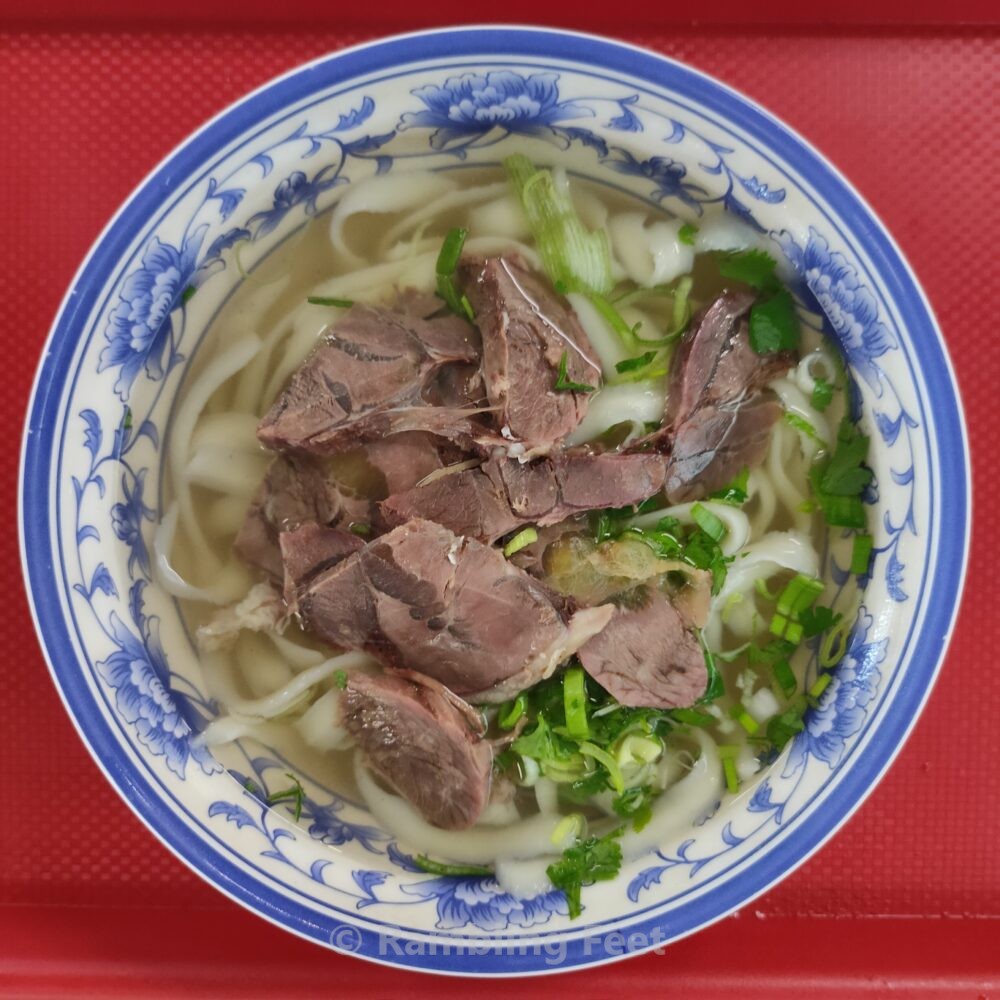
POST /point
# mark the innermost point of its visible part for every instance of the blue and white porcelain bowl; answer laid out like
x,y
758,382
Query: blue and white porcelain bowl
x,y
94,459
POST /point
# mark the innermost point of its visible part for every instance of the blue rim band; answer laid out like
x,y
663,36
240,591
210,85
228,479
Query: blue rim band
x,y
951,456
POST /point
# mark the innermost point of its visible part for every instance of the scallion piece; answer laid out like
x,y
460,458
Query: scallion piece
x,y
425,864
692,717
732,777
800,593
607,762
447,261
340,679
360,528
570,254
861,554
786,628
686,234
819,685
628,334
745,719
822,394
710,523
635,364
785,677
511,711
323,300
524,538
296,793
188,294
563,384
575,703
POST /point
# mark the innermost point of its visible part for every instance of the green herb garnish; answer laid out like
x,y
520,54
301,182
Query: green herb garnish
x,y
563,384
635,364
822,394
425,864
188,294
524,538
323,300
752,267
774,325
340,679
596,859
295,792
861,554
511,711
735,494
575,703
447,261
686,234
635,803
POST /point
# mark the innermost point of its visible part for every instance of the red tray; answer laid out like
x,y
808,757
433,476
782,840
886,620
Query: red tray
x,y
905,899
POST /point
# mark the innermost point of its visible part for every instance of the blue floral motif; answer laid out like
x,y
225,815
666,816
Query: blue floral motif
x,y
849,305
140,326
667,174
138,672
843,706
296,189
127,518
473,104
481,902
330,828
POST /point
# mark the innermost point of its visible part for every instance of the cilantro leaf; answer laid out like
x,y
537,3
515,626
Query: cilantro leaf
x,y
542,743
596,859
735,494
752,267
822,394
845,475
686,234
636,803
774,325
816,620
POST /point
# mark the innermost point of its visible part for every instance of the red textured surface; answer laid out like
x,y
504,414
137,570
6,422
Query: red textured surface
x,y
907,896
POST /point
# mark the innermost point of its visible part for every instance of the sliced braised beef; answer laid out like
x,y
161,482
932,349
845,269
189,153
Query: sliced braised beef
x,y
403,460
295,490
424,598
367,379
717,419
527,329
311,549
648,655
490,500
422,740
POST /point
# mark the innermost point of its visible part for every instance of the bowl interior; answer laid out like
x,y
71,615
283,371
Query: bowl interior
x,y
132,337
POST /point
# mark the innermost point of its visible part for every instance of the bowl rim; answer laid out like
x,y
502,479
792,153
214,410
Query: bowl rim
x,y
516,41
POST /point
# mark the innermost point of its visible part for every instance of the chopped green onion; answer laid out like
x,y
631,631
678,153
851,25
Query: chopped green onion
x,y
296,792
447,261
761,587
322,300
732,777
834,644
785,677
524,538
715,687
360,528
607,761
511,711
575,703
340,679
638,749
806,507
861,554
635,364
786,628
188,294
425,864
570,254
692,717
563,384
686,234
799,593
710,523
451,251
820,685
571,826
803,425
745,719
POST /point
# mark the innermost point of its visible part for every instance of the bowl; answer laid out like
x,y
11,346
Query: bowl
x,y
94,463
